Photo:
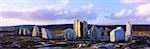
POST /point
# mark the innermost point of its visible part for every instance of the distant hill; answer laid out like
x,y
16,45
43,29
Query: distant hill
x,y
52,27
138,30
65,26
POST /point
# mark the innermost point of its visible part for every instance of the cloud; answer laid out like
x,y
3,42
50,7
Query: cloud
x,y
135,2
148,19
1,5
124,13
16,21
51,14
12,21
60,13
64,2
120,13
143,10
54,13
137,14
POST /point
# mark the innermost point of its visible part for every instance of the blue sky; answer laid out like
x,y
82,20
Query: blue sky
x,y
101,12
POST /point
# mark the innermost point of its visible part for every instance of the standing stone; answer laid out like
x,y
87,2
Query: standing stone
x,y
20,31
99,34
70,34
85,29
36,31
117,35
128,31
77,28
81,28
24,31
46,34
95,33
106,32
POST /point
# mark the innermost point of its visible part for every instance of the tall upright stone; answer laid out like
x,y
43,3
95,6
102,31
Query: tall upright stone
x,y
36,31
46,34
77,28
112,35
20,31
128,31
99,34
85,29
24,31
81,28
106,32
69,34
117,35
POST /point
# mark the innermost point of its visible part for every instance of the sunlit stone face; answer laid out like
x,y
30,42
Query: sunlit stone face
x,y
128,31
24,31
46,34
117,35
36,31
77,28
20,31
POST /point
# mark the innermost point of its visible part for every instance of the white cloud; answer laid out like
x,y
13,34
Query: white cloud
x,y
89,6
64,2
130,12
54,7
135,2
124,12
11,21
16,21
143,10
139,14
1,6
66,12
120,13
51,14
148,19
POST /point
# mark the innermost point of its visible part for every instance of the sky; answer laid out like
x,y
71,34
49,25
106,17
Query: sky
x,y
100,12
